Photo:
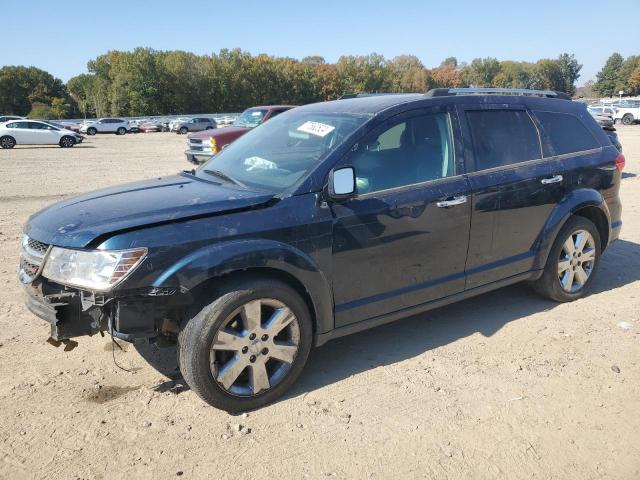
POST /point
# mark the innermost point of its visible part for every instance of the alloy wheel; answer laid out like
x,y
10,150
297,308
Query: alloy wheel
x,y
7,142
576,262
255,347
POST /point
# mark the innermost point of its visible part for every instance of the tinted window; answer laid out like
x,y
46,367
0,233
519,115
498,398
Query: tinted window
x,y
566,133
502,137
19,125
37,126
412,151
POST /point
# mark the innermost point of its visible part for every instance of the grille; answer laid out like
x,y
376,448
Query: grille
x,y
31,259
37,246
196,141
30,269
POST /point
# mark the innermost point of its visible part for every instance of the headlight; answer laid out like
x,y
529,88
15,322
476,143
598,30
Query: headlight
x,y
91,269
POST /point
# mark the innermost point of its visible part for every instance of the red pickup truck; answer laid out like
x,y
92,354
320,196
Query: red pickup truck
x,y
202,146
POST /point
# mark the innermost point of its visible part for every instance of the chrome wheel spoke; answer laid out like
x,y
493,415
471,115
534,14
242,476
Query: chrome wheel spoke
x,y
567,279
251,315
581,276
259,377
230,372
284,353
563,265
588,255
569,246
279,320
226,340
581,240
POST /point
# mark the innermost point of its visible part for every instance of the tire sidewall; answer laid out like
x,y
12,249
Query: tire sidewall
x,y
194,343
551,271
627,119
183,131
91,131
121,131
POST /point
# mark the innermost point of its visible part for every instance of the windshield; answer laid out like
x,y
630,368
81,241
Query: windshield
x,y
278,153
252,117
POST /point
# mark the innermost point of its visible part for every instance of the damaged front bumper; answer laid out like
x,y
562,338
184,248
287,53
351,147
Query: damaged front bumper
x,y
128,316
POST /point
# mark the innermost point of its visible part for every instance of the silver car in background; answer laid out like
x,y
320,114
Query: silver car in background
x,y
196,124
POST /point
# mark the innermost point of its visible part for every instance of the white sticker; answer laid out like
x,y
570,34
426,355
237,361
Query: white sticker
x,y
316,128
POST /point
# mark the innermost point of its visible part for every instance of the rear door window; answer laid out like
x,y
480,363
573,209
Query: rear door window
x,y
502,137
566,133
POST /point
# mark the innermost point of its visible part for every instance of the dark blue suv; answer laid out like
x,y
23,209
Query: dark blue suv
x,y
330,219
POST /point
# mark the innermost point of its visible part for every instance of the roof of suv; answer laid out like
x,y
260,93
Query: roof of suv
x,y
373,104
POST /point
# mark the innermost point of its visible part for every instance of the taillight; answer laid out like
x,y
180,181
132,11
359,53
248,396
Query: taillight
x,y
620,161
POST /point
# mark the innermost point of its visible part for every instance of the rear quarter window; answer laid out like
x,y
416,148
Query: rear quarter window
x,y
566,133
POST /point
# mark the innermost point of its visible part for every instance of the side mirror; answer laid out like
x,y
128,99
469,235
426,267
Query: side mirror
x,y
342,182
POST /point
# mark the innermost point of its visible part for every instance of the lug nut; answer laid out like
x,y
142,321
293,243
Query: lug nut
x,y
245,349
265,351
252,358
252,336
265,337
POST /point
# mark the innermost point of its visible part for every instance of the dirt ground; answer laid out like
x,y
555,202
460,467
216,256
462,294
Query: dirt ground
x,y
506,385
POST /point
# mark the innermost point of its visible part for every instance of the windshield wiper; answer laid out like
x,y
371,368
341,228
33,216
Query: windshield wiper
x,y
224,176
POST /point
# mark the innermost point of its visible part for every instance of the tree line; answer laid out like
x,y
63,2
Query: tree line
x,y
151,82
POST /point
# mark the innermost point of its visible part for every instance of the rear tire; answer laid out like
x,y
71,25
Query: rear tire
x,y
91,131
572,262
67,142
7,142
233,361
627,119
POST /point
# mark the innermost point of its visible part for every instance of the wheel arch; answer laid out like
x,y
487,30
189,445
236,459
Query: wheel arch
x,y
201,271
587,203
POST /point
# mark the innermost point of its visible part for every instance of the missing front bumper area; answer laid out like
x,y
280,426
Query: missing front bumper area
x,y
131,316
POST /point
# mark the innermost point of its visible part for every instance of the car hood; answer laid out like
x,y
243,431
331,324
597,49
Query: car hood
x,y
77,221
221,132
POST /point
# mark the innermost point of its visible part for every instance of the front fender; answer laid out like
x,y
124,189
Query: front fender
x,y
216,260
571,203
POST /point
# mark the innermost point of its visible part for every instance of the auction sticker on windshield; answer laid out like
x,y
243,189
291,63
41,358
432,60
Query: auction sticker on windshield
x,y
316,128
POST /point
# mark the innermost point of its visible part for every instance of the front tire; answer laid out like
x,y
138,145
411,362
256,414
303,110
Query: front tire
x,y
183,130
627,119
67,142
91,131
121,131
7,142
572,261
246,348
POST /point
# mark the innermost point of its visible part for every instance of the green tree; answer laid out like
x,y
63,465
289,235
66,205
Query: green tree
x,y
20,87
570,71
607,78
481,72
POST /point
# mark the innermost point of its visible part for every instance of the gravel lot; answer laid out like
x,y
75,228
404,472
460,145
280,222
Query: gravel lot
x,y
506,385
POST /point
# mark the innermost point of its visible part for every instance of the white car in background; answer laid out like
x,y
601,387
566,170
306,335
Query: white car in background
x,y
106,125
34,132
628,114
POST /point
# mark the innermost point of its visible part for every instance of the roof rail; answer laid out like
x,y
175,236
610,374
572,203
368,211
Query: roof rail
x,y
361,95
445,92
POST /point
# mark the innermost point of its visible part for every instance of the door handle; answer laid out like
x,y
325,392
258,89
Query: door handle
x,y
452,201
554,179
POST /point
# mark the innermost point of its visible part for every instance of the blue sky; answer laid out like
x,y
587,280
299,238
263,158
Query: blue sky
x,y
61,37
